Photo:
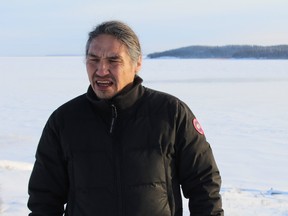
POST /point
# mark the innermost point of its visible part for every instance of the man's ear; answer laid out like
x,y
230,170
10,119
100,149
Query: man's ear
x,y
138,64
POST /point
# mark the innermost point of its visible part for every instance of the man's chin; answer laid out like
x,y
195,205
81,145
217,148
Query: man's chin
x,y
104,95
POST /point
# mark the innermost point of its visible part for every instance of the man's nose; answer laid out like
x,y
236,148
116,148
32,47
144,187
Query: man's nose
x,y
102,69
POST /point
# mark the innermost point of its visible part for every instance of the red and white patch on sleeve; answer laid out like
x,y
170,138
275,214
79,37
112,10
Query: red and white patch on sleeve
x,y
198,127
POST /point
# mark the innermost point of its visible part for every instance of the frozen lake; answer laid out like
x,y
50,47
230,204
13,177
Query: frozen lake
x,y
241,104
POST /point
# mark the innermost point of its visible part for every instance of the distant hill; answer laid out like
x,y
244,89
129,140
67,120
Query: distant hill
x,y
229,51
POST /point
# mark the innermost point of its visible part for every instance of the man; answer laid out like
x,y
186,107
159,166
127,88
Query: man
x,y
121,148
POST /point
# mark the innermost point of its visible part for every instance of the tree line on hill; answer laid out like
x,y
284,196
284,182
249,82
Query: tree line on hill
x,y
229,51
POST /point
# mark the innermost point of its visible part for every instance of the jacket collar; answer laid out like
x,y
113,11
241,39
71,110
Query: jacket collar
x,y
123,100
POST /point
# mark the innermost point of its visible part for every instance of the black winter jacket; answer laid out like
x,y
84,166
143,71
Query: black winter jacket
x,y
124,157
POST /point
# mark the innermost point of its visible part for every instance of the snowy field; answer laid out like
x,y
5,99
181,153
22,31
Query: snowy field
x,y
241,104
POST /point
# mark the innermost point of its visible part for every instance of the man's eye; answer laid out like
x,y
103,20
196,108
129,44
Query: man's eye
x,y
114,60
93,60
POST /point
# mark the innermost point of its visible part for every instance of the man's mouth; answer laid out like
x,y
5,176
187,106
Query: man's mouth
x,y
104,83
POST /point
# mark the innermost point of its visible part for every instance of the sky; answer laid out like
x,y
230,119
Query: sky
x,y
42,27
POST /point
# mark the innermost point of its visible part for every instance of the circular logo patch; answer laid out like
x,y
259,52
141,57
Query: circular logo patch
x,y
198,126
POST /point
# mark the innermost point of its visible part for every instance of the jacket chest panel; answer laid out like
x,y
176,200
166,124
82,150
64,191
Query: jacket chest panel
x,y
145,142
136,147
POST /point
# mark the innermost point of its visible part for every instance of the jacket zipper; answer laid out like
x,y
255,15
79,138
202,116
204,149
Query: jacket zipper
x,y
117,161
114,117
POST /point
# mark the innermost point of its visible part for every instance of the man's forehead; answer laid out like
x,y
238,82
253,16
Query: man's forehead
x,y
106,53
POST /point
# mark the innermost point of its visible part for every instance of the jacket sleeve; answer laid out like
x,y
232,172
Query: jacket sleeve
x,y
197,169
48,184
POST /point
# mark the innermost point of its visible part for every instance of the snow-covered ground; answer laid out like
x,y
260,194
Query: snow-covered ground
x,y
241,104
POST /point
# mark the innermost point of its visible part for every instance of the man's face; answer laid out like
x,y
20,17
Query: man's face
x,y
109,66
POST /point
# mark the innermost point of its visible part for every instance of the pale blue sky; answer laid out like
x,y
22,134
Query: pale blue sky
x,y
42,27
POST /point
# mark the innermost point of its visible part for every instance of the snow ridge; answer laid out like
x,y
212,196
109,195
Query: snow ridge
x,y
15,165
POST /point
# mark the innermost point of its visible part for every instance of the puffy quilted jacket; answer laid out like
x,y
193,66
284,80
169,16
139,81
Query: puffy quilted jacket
x,y
128,156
